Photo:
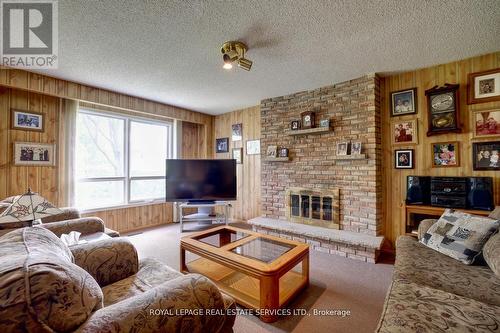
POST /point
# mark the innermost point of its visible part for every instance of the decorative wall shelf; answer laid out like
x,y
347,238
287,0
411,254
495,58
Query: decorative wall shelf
x,y
277,159
316,130
350,157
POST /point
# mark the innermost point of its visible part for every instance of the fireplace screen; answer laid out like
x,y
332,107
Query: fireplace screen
x,y
314,207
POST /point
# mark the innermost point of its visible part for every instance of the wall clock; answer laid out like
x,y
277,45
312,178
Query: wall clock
x,y
308,119
443,109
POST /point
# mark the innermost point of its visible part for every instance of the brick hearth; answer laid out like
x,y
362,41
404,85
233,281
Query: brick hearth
x,y
343,243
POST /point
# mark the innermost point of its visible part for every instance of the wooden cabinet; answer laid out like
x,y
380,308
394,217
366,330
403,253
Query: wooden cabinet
x,y
410,226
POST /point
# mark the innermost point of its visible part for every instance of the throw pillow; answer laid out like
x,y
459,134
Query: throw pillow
x,y
491,253
460,235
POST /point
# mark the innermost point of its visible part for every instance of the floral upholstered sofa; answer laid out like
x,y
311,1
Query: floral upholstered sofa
x,y
432,292
46,286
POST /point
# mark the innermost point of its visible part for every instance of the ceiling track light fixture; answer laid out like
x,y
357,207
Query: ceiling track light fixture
x,y
234,51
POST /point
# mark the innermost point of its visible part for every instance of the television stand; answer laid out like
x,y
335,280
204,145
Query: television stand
x,y
204,212
201,202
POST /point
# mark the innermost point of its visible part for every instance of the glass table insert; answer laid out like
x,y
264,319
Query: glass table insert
x,y
222,237
263,249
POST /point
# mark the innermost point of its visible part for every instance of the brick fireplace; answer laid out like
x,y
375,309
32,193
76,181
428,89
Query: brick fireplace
x,y
353,108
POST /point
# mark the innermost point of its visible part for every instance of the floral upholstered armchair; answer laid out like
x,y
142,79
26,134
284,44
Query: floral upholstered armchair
x,y
69,220
46,286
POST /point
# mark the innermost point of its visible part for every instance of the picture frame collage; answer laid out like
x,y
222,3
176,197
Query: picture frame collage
x,y
484,123
346,148
404,132
31,153
274,151
222,144
309,120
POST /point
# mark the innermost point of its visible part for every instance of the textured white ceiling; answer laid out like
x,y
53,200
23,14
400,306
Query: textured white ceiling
x,y
169,51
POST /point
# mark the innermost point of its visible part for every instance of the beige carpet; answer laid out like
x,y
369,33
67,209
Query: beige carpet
x,y
336,284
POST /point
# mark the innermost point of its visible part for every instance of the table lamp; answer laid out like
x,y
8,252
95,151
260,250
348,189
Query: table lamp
x,y
27,210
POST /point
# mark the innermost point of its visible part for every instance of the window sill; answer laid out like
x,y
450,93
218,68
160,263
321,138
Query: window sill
x,y
131,205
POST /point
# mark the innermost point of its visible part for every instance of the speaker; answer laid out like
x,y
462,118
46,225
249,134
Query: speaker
x,y
418,190
480,193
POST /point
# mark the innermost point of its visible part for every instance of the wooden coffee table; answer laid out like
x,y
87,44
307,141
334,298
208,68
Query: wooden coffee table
x,y
259,271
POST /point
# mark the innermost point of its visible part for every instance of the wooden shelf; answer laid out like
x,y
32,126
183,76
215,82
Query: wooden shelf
x,y
350,157
316,130
277,159
244,288
438,211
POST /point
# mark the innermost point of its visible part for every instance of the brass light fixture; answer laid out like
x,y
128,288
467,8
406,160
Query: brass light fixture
x,y
235,51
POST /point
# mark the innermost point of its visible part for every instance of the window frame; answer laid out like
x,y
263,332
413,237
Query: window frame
x,y
127,179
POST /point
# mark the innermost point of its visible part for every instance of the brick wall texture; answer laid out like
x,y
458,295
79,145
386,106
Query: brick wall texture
x,y
353,108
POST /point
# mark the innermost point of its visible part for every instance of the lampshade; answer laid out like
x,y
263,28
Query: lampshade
x,y
28,207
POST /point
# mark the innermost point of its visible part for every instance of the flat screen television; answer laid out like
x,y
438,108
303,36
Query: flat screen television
x,y
200,180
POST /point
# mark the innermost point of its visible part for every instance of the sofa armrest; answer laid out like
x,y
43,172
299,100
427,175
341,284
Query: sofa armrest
x,y
68,213
84,225
107,260
495,214
424,226
178,305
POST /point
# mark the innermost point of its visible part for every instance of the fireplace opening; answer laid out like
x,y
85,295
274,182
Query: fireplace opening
x,y
314,207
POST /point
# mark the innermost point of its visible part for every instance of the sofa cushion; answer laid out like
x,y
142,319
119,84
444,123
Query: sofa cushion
x,y
34,241
40,287
151,273
411,307
460,235
491,253
421,265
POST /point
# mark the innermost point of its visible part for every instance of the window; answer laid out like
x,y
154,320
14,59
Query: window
x,y
120,160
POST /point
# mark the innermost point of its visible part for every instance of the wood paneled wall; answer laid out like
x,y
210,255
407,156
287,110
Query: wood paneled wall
x,y
38,93
395,180
192,141
46,85
16,179
135,218
248,204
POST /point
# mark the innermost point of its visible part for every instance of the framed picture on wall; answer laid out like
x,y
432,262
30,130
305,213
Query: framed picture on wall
x,y
486,123
404,102
253,147
485,155
34,154
404,132
403,159
222,145
484,86
446,154
28,121
237,132
238,155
